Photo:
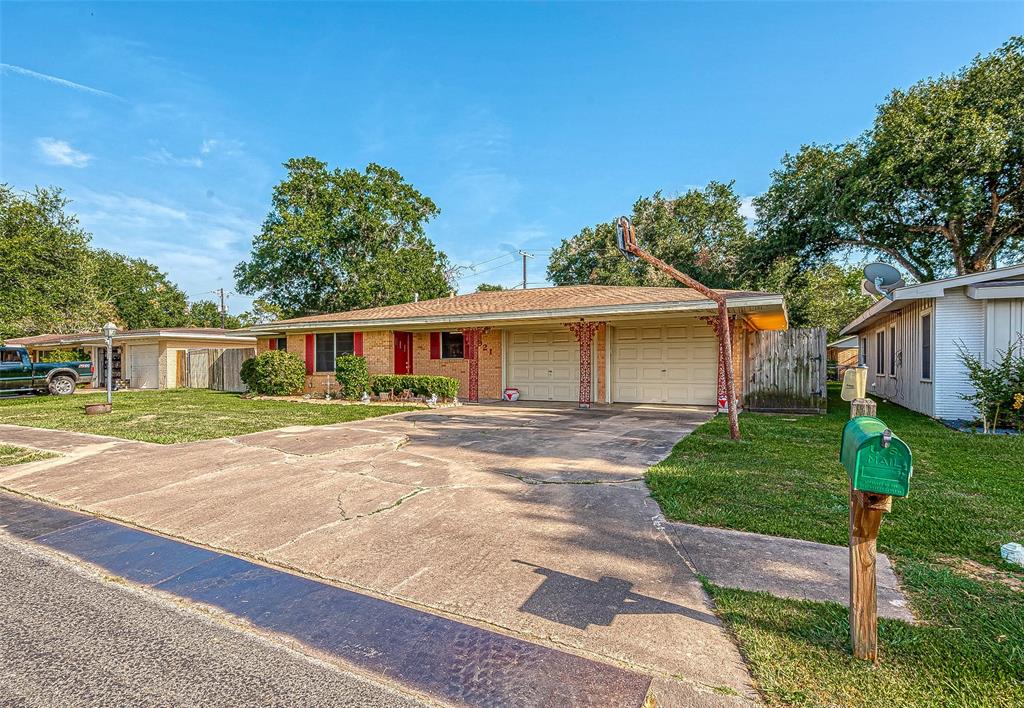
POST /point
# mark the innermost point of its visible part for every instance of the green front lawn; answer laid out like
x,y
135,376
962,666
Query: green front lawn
x,y
966,499
177,415
14,455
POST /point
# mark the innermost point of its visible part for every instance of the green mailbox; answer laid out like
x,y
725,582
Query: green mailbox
x,y
876,460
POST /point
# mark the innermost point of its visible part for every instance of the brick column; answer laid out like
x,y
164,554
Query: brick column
x,y
471,338
584,332
723,396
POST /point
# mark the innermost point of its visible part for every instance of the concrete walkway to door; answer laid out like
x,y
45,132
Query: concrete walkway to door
x,y
533,521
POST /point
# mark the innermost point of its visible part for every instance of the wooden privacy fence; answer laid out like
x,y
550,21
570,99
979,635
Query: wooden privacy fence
x,y
786,371
217,369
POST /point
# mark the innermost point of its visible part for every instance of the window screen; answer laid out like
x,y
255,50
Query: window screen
x,y
330,346
892,351
880,352
452,345
926,347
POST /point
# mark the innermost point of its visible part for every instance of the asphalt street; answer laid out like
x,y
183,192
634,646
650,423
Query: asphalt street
x,y
70,636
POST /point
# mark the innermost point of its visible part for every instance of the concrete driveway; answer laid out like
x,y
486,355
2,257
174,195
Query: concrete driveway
x,y
533,521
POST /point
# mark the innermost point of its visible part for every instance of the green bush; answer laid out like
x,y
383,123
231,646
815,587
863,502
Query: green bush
x,y
998,393
58,355
443,386
352,375
274,373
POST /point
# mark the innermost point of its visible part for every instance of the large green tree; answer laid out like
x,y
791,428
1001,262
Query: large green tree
x,y
206,313
47,274
140,292
827,295
343,239
700,232
936,185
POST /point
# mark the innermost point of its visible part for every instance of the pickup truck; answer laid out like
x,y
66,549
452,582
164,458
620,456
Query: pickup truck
x,y
19,374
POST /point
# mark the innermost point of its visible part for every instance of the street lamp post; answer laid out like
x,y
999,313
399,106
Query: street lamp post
x,y
109,330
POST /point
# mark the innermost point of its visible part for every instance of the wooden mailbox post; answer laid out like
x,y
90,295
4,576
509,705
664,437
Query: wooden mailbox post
x,y
865,519
880,466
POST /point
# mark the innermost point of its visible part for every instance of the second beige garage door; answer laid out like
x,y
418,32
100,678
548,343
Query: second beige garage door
x,y
665,364
544,364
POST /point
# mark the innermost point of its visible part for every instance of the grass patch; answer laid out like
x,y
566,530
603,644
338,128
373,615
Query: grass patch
x,y
14,455
177,415
966,499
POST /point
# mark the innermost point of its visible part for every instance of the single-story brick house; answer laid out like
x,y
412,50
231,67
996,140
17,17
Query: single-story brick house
x,y
637,345
142,358
910,340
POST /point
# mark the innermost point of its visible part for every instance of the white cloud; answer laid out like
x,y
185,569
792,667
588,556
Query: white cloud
x,y
12,69
163,156
60,152
747,210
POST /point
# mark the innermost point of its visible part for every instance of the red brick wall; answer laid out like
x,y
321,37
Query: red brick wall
x,y
490,364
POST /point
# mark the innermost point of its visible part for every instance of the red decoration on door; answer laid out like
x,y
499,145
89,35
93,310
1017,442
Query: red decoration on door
x,y
584,332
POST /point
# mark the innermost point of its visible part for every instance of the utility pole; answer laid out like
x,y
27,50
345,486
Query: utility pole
x,y
525,255
223,310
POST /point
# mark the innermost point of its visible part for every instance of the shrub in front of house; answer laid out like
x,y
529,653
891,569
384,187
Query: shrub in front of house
x,y
274,373
352,375
998,386
444,387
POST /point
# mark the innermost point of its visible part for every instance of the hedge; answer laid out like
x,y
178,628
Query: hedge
x,y
274,373
352,375
443,386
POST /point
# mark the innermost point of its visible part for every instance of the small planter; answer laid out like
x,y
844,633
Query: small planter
x,y
98,408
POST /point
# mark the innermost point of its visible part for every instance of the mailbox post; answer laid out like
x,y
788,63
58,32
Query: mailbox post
x,y
880,466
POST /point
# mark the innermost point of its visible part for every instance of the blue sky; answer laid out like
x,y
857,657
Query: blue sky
x,y
167,123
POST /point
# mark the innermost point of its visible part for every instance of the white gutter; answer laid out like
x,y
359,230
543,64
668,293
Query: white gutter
x,y
585,312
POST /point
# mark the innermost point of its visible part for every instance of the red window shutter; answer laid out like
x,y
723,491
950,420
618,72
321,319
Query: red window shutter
x,y
435,345
357,343
310,353
272,344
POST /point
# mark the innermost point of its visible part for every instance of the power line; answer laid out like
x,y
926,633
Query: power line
x,y
488,270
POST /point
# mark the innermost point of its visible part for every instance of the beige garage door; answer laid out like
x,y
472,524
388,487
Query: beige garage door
x,y
544,364
665,364
144,366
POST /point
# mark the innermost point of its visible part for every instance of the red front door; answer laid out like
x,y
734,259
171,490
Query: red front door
x,y
403,352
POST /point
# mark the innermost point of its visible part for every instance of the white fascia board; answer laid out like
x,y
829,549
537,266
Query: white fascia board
x,y
996,291
506,317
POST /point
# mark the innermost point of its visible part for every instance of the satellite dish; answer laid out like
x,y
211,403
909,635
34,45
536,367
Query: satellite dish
x,y
880,279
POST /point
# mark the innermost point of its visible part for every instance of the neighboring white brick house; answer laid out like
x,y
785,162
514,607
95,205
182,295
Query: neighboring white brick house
x,y
911,340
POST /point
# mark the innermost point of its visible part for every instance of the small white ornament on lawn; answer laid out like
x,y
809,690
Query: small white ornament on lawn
x,y
432,401
1012,553
365,398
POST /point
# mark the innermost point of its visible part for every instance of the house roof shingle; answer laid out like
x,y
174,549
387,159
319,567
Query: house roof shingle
x,y
565,297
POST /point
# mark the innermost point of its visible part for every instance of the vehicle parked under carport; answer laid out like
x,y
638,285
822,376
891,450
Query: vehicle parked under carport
x,y
19,374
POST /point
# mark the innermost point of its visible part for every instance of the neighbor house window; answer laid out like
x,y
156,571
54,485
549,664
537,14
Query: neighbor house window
x,y
282,344
926,347
880,353
452,345
330,346
862,360
892,350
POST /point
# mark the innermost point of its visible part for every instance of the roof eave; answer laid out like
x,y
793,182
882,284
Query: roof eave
x,y
522,315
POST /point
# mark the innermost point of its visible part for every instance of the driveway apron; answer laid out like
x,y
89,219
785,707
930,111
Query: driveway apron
x,y
532,521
